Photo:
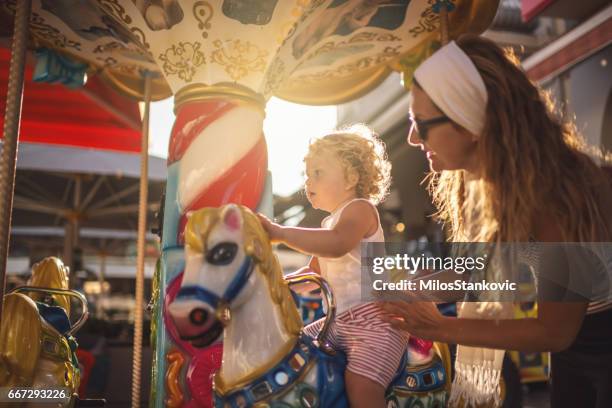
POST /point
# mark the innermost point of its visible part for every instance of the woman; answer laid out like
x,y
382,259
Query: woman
x,y
506,169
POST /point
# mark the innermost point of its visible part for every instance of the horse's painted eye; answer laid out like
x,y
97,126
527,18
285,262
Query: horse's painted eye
x,y
222,253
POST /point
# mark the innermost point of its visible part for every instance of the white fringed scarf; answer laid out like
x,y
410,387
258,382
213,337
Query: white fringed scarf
x,y
478,370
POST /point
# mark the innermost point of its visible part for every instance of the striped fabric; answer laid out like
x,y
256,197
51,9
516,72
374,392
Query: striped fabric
x,y
374,350
596,307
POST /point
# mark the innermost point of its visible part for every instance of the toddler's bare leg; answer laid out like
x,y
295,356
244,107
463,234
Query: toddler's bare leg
x,y
363,392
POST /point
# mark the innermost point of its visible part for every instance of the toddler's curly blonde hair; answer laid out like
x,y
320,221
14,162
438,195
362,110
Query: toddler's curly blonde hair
x,y
359,148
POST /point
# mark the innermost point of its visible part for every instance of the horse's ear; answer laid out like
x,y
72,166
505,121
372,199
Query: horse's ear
x,y
232,217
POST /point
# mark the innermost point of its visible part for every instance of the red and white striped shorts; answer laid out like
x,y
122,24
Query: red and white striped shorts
x,y
373,348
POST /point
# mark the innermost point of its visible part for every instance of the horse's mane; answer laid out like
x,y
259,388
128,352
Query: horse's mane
x,y
20,344
50,273
256,245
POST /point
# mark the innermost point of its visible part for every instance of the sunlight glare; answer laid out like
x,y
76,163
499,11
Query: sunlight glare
x,y
288,127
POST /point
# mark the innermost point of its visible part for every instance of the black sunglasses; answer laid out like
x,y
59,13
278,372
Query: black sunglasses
x,y
423,126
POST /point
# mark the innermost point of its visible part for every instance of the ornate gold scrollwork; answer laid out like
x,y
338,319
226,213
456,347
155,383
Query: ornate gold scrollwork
x,y
183,59
116,10
203,12
238,57
175,395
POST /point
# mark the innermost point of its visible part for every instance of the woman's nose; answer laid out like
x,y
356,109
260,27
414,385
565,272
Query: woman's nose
x,y
413,138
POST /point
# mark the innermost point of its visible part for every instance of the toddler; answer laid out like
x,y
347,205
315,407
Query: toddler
x,y
347,175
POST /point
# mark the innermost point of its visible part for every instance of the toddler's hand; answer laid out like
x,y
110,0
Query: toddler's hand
x,y
275,231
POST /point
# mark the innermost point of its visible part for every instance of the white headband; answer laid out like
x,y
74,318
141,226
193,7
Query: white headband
x,y
453,83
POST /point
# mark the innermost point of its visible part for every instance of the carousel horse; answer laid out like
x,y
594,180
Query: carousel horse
x,y
233,285
37,348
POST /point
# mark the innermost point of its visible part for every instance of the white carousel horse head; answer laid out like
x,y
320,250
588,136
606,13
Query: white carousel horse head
x,y
228,261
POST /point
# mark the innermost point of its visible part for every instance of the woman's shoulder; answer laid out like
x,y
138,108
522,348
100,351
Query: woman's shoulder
x,y
607,170
547,226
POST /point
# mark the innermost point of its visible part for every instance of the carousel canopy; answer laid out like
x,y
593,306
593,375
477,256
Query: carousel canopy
x,y
312,52
78,161
94,116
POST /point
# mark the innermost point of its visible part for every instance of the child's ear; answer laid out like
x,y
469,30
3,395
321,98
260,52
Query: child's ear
x,y
352,179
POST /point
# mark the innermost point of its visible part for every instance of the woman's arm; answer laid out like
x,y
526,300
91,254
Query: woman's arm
x,y
554,329
356,220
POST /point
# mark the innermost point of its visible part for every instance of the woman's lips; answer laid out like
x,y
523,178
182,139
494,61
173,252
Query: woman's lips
x,y
430,154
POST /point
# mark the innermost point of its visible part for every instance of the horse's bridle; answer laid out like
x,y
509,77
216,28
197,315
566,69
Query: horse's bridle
x,y
221,304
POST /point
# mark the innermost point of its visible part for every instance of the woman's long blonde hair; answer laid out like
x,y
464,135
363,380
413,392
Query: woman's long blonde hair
x,y
532,164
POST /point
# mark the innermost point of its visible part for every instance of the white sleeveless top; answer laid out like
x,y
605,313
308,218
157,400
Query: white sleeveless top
x,y
344,273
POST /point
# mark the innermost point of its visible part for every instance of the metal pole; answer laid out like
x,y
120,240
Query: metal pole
x,y
101,280
77,209
142,224
68,253
12,117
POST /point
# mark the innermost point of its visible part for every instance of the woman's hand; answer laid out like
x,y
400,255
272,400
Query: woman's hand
x,y
421,319
275,231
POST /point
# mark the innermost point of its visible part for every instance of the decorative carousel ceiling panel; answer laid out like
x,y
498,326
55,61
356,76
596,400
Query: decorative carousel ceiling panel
x,y
309,51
